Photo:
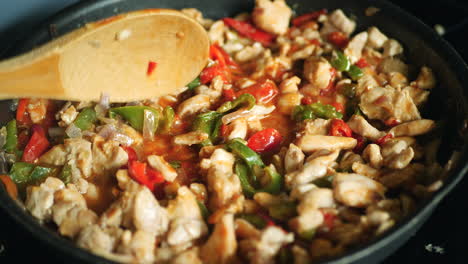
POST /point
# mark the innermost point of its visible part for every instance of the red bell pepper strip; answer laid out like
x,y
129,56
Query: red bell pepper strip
x,y
210,72
306,100
216,54
362,63
229,61
338,38
248,30
339,107
144,175
151,67
263,91
329,220
229,95
36,146
339,128
265,140
381,141
360,143
315,42
132,155
21,111
300,20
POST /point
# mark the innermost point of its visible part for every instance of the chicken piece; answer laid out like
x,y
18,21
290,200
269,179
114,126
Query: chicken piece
x,y
316,126
75,152
262,250
354,48
249,53
272,16
303,53
67,116
290,85
214,91
140,245
390,64
216,32
193,105
418,95
365,170
426,79
413,128
365,83
315,167
71,218
108,156
318,72
309,143
309,217
338,21
397,80
238,129
245,229
223,185
391,48
356,190
384,103
189,256
190,138
95,239
372,154
396,178
397,154
187,223
40,199
161,165
37,109
359,125
294,158
287,102
222,245
348,159
376,38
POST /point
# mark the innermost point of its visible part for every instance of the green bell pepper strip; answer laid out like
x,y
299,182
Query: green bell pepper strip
x,y
39,173
246,100
302,112
203,210
167,120
254,220
175,164
240,149
275,183
283,211
194,84
340,61
134,114
308,235
65,174
324,182
24,174
325,111
206,122
85,119
11,143
242,172
348,90
355,72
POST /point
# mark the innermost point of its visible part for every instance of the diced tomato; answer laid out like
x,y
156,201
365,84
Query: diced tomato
x,y
298,21
21,112
23,138
339,107
306,100
151,67
338,39
329,220
265,140
36,146
248,30
144,175
381,141
339,128
360,143
210,72
391,122
132,155
229,94
263,91
362,63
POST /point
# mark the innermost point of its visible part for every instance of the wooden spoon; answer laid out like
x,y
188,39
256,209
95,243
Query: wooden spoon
x,y
112,56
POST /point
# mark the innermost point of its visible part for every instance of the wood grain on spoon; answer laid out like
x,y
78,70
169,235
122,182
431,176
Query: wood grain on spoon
x,y
112,57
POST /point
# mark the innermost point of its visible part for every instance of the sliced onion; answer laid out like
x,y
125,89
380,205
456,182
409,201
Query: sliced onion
x,y
103,105
3,134
257,112
110,132
73,131
149,125
55,132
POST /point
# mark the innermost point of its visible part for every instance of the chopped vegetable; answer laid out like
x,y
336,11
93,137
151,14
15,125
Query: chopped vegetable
x,y
65,174
11,142
21,111
302,112
175,164
302,19
340,61
355,72
167,120
308,235
339,128
229,94
133,114
23,174
254,219
250,157
264,91
210,72
36,146
10,186
338,39
248,30
206,122
381,141
324,182
151,67
315,110
283,211
194,84
85,119
203,210
348,90
242,171
362,63
150,125
265,140
360,143
140,172
246,100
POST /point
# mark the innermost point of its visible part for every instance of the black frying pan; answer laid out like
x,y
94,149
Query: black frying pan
x,y
422,47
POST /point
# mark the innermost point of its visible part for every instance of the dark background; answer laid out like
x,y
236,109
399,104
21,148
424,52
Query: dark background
x,y
447,228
